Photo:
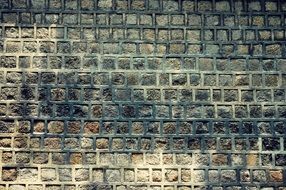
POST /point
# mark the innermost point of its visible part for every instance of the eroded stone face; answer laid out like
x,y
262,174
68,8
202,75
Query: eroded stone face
x,y
142,94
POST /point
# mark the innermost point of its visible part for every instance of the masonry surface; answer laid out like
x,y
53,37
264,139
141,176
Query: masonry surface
x,y
145,95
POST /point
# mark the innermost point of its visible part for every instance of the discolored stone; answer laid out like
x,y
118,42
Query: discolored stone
x,y
171,175
9,174
76,158
219,159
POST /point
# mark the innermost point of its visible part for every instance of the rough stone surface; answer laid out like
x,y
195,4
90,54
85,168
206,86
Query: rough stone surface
x,y
142,94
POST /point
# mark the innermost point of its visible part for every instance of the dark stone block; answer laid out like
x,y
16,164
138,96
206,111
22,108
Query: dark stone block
x,y
63,110
27,93
48,77
128,111
271,144
280,159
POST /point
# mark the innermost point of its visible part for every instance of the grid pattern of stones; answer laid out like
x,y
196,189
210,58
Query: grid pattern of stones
x,y
121,94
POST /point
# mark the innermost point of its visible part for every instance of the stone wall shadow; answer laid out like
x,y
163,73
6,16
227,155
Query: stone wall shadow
x,y
28,93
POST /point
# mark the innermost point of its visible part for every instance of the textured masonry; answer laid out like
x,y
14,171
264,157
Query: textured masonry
x,y
142,94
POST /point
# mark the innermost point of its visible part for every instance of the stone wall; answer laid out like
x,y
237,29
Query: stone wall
x,y
134,94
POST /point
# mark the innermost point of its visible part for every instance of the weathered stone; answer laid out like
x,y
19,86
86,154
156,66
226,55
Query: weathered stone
x,y
22,157
48,174
276,175
28,174
171,175
198,175
17,187
82,174
228,175
129,175
245,175
252,159
113,175
143,175
65,174
102,143
9,174
259,175
56,127
219,159
40,158
52,143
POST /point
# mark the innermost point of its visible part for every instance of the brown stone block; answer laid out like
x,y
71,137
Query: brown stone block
x,y
276,175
